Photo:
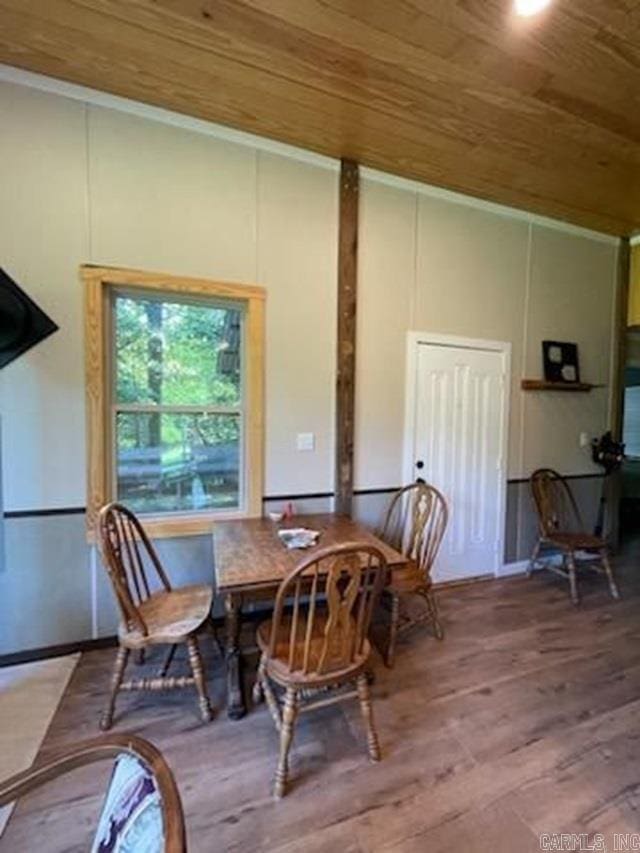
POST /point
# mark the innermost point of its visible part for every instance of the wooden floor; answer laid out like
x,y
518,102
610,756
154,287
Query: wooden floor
x,y
525,720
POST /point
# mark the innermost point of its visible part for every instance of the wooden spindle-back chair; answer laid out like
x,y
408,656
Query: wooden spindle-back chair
x,y
317,641
555,503
142,791
561,527
415,525
152,612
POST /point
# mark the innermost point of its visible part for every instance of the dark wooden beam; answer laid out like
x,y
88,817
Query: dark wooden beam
x,y
614,486
346,355
620,351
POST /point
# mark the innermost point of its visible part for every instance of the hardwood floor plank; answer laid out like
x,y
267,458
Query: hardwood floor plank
x,y
597,790
525,719
496,829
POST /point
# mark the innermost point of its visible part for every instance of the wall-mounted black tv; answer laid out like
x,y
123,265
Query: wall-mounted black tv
x,y
22,323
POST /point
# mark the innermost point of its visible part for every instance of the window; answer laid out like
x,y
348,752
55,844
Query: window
x,y
177,403
174,394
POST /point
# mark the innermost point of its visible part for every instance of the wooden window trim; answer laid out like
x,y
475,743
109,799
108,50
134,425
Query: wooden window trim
x,y
97,282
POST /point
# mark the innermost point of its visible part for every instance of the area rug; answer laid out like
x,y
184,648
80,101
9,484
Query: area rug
x,y
29,696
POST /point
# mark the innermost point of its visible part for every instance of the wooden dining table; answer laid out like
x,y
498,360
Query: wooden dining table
x,y
250,561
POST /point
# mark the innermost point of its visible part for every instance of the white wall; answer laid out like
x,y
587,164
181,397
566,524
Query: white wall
x,y
432,263
43,234
83,183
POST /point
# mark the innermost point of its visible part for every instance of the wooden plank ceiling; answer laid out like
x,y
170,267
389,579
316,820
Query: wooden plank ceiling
x,y
540,113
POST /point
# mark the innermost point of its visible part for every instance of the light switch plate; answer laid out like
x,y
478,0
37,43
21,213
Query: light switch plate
x,y
305,441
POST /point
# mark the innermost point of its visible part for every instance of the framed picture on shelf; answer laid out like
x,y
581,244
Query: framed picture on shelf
x,y
560,361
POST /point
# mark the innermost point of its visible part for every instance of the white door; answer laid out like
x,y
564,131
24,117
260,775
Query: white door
x,y
458,444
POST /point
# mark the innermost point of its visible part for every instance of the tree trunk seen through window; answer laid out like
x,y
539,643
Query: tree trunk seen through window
x,y
153,310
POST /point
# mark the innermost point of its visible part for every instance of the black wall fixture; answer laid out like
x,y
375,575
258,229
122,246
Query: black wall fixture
x,y
22,323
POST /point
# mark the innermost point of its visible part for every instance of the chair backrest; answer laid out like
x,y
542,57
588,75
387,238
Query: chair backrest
x,y
555,504
332,595
142,808
416,522
130,558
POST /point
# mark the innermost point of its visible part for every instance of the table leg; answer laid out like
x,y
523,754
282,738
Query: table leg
x,y
236,706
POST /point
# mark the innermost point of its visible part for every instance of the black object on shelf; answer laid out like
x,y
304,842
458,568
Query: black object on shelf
x,y
560,362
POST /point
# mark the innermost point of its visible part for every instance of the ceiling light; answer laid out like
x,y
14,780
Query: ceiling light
x,y
526,8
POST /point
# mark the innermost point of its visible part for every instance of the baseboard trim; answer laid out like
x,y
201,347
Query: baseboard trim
x,y
444,585
250,615
507,570
57,651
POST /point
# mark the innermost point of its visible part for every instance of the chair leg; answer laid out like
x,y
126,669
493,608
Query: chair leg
x,y
116,680
534,557
432,609
613,586
164,669
393,629
257,694
573,583
195,661
286,736
367,714
272,702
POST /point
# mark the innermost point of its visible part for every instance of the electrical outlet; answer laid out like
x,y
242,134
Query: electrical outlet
x,y
585,439
305,441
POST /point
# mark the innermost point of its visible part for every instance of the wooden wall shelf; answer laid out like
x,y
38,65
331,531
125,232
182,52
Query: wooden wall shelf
x,y
543,385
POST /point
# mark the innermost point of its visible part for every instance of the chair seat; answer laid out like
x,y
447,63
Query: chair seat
x,y
170,617
576,541
408,578
278,665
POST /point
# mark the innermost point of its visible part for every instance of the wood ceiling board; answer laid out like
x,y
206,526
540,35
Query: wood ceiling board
x,y
449,93
514,78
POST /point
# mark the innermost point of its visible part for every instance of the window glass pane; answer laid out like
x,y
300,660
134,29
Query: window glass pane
x,y
177,353
178,463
